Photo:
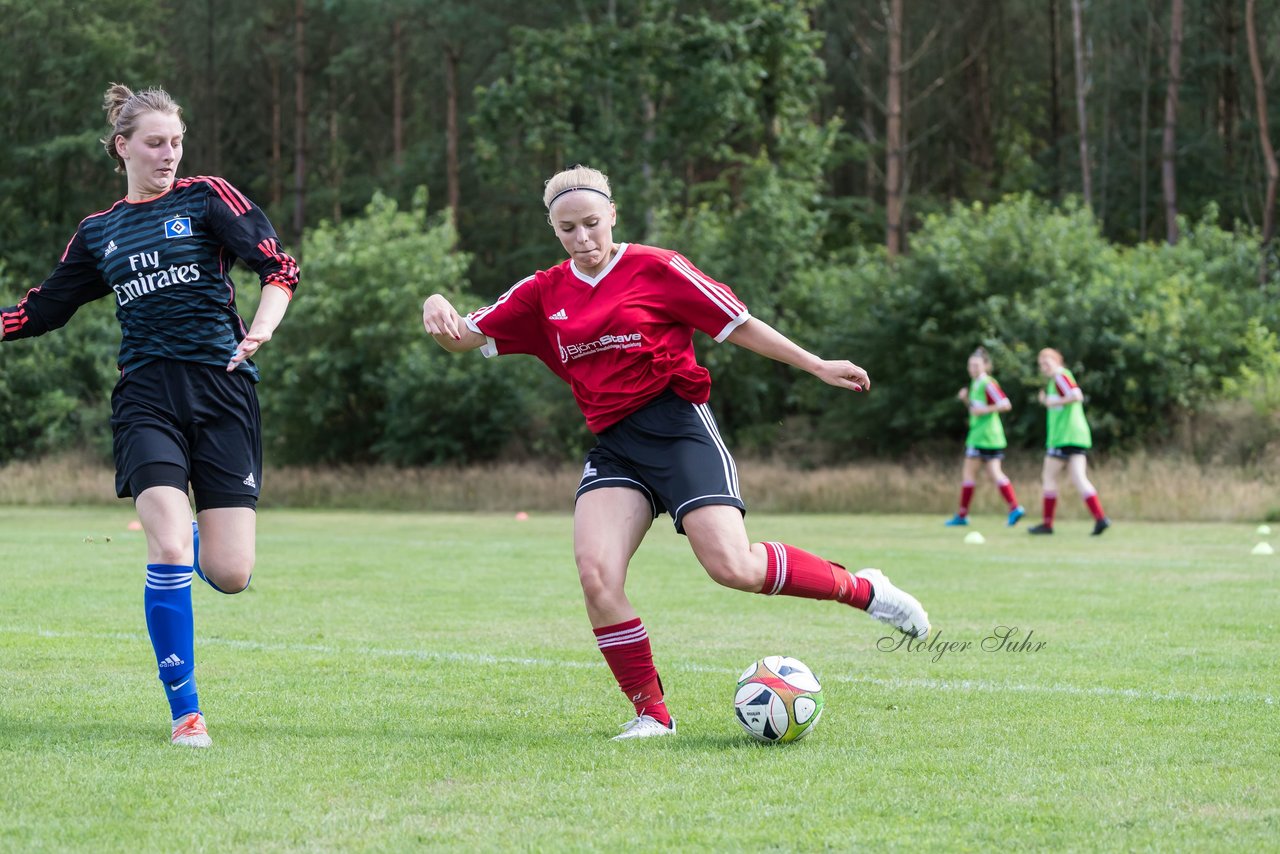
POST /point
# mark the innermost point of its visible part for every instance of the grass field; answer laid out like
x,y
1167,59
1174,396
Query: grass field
x,y
394,682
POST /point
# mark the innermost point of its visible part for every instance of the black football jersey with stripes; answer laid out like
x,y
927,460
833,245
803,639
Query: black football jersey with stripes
x,y
167,265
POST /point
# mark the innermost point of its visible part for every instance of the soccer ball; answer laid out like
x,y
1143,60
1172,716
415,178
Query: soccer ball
x,y
778,699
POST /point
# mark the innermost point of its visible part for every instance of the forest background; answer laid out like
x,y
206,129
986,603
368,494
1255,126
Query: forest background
x,y
889,181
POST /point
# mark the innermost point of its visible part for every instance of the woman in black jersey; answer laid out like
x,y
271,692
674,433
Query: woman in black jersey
x,y
184,411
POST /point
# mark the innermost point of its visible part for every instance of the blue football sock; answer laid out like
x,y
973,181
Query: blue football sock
x,y
195,549
167,599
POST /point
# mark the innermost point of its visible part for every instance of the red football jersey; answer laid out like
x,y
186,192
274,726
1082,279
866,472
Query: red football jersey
x,y
618,339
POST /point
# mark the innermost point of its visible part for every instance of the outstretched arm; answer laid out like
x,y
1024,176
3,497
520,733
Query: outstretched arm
x,y
759,337
74,282
443,323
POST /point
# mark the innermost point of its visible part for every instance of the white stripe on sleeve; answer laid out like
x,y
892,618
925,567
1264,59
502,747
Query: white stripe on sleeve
x,y
717,293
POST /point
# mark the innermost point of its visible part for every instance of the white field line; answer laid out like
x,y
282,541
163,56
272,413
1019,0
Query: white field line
x,y
959,685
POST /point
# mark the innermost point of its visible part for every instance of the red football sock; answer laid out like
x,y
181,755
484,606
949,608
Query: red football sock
x,y
1050,504
1010,497
966,498
796,572
625,647
1094,505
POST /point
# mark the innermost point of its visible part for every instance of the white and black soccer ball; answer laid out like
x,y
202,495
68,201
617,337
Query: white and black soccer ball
x,y
778,699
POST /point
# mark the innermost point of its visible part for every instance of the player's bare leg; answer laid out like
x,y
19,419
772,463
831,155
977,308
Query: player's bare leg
x,y
165,514
228,546
608,526
720,543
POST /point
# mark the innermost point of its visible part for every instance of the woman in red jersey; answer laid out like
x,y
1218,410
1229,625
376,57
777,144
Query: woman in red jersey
x,y
185,410
616,322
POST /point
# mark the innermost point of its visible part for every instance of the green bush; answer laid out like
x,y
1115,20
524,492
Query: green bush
x,y
1150,331
354,378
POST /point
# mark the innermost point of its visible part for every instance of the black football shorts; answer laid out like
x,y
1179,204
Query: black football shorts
x,y
671,450
196,417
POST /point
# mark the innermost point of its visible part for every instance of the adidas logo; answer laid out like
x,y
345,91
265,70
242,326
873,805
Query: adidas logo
x,y
559,315
111,247
172,661
249,481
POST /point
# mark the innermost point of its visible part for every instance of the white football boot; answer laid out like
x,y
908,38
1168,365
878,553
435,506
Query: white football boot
x,y
895,607
643,726
189,731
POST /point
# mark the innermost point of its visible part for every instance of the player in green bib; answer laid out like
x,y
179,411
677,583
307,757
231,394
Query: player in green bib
x,y
985,442
1067,443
